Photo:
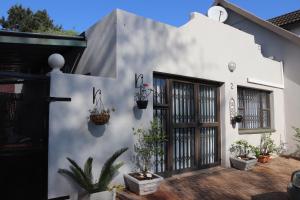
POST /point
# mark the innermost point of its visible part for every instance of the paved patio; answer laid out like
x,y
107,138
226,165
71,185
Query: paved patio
x,y
264,182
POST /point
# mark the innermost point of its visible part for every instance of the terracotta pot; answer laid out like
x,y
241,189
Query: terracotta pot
x,y
264,158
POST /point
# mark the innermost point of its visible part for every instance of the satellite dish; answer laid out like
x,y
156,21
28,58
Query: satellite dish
x,y
217,13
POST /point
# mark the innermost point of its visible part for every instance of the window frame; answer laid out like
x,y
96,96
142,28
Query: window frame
x,y
262,109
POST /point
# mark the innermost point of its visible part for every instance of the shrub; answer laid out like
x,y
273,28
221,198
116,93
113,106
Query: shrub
x,y
241,148
148,144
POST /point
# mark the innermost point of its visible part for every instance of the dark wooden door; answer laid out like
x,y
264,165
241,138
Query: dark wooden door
x,y
189,113
24,137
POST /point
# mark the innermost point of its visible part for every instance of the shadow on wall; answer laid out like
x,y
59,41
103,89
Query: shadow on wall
x,y
271,195
137,112
96,130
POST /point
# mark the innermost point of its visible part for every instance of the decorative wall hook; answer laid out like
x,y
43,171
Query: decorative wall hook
x,y
234,117
137,77
95,92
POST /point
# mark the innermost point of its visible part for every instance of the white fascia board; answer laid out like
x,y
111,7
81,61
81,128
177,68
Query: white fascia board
x,y
265,83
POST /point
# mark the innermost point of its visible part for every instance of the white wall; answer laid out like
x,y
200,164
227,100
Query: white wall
x,y
287,52
201,48
72,135
295,28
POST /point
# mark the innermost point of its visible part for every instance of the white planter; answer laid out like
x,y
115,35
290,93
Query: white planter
x,y
143,187
106,195
242,164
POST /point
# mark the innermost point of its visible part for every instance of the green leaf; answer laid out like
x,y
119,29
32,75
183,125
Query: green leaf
x,y
88,166
78,172
108,170
74,177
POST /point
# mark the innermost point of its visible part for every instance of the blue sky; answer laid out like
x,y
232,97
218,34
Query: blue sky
x,y
79,15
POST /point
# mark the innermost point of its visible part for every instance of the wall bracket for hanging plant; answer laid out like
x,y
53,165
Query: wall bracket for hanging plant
x,y
99,115
234,118
142,93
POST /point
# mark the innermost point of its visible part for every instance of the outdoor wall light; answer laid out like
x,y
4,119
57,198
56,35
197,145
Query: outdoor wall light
x,y
231,66
56,62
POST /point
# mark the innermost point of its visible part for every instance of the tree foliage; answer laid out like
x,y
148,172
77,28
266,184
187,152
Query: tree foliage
x,y
25,20
149,142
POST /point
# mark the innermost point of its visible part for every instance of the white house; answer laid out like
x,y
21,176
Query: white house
x,y
204,73
280,45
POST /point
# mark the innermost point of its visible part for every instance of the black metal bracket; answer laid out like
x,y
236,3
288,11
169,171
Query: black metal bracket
x,y
52,99
95,92
137,77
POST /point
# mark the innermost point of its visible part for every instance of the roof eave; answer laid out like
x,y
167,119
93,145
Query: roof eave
x,y
8,37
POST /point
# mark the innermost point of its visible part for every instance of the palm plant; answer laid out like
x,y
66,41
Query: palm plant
x,y
84,177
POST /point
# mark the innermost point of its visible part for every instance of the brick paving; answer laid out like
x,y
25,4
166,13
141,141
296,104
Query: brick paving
x,y
265,182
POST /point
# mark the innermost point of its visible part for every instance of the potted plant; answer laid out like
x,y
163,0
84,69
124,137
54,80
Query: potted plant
x,y
100,116
141,96
84,177
240,158
144,182
266,148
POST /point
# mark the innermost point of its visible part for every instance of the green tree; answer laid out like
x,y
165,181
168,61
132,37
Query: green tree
x,y
25,20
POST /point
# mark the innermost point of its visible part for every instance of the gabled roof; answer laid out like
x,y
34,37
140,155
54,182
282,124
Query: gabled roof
x,y
286,19
263,23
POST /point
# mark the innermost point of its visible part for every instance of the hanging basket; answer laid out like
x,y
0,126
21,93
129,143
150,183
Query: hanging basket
x,y
100,119
142,104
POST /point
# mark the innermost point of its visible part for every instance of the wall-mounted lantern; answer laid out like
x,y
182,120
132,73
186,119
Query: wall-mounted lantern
x,y
231,66
142,91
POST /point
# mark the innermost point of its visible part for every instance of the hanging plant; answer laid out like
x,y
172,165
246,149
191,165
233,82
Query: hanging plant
x,y
141,96
99,115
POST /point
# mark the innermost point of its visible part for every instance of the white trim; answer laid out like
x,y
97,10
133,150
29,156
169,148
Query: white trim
x,y
282,73
265,83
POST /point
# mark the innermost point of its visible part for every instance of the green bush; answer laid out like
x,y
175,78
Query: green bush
x,y
241,148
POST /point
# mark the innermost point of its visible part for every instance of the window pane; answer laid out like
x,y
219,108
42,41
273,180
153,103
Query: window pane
x,y
254,107
183,103
264,100
266,117
207,104
159,95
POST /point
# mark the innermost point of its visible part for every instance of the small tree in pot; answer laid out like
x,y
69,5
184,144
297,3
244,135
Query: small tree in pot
x,y
147,146
240,158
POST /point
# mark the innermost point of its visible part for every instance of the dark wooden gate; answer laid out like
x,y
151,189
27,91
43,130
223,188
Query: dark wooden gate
x,y
24,114
188,110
